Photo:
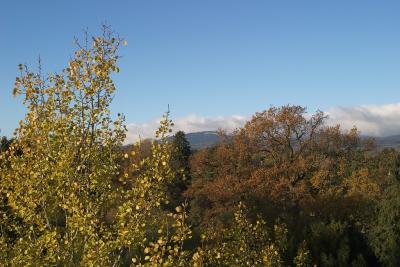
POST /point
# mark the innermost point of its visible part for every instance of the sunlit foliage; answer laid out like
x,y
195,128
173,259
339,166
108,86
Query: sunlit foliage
x,y
64,199
284,190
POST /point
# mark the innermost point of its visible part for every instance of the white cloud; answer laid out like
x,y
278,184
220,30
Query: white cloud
x,y
375,120
188,124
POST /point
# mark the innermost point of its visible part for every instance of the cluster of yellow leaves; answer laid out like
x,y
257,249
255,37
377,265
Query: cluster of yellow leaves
x,y
58,178
64,201
245,244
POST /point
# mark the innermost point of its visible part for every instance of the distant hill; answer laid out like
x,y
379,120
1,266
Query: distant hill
x,y
199,140
388,141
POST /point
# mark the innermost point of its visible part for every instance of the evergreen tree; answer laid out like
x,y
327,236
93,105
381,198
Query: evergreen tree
x,y
385,232
4,143
181,152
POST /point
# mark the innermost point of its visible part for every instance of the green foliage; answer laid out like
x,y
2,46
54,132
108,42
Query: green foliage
x,y
180,164
4,144
303,257
385,230
242,244
246,243
332,243
72,195
181,151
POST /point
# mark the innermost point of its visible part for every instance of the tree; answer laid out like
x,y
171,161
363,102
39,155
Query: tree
x,y
4,144
385,232
64,200
180,164
246,243
61,185
284,189
287,165
181,152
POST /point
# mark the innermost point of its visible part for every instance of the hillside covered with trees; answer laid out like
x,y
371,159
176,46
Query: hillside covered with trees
x,y
284,190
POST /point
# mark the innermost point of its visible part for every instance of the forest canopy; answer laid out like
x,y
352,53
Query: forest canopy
x,y
286,189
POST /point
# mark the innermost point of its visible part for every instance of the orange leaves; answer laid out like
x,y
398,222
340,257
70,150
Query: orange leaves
x,y
360,183
282,158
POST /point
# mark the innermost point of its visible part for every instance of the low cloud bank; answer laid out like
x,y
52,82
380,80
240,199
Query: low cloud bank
x,y
374,120
188,124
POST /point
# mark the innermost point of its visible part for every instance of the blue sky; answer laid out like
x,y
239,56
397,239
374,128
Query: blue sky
x,y
216,58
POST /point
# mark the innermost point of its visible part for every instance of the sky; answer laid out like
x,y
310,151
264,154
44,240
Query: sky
x,y
217,62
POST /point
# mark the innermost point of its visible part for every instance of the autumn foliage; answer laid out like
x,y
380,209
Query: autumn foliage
x,y
284,190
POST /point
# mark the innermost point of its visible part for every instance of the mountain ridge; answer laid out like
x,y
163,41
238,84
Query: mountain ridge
x,y
204,139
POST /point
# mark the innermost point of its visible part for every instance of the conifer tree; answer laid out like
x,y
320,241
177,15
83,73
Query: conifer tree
x,y
385,232
181,152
